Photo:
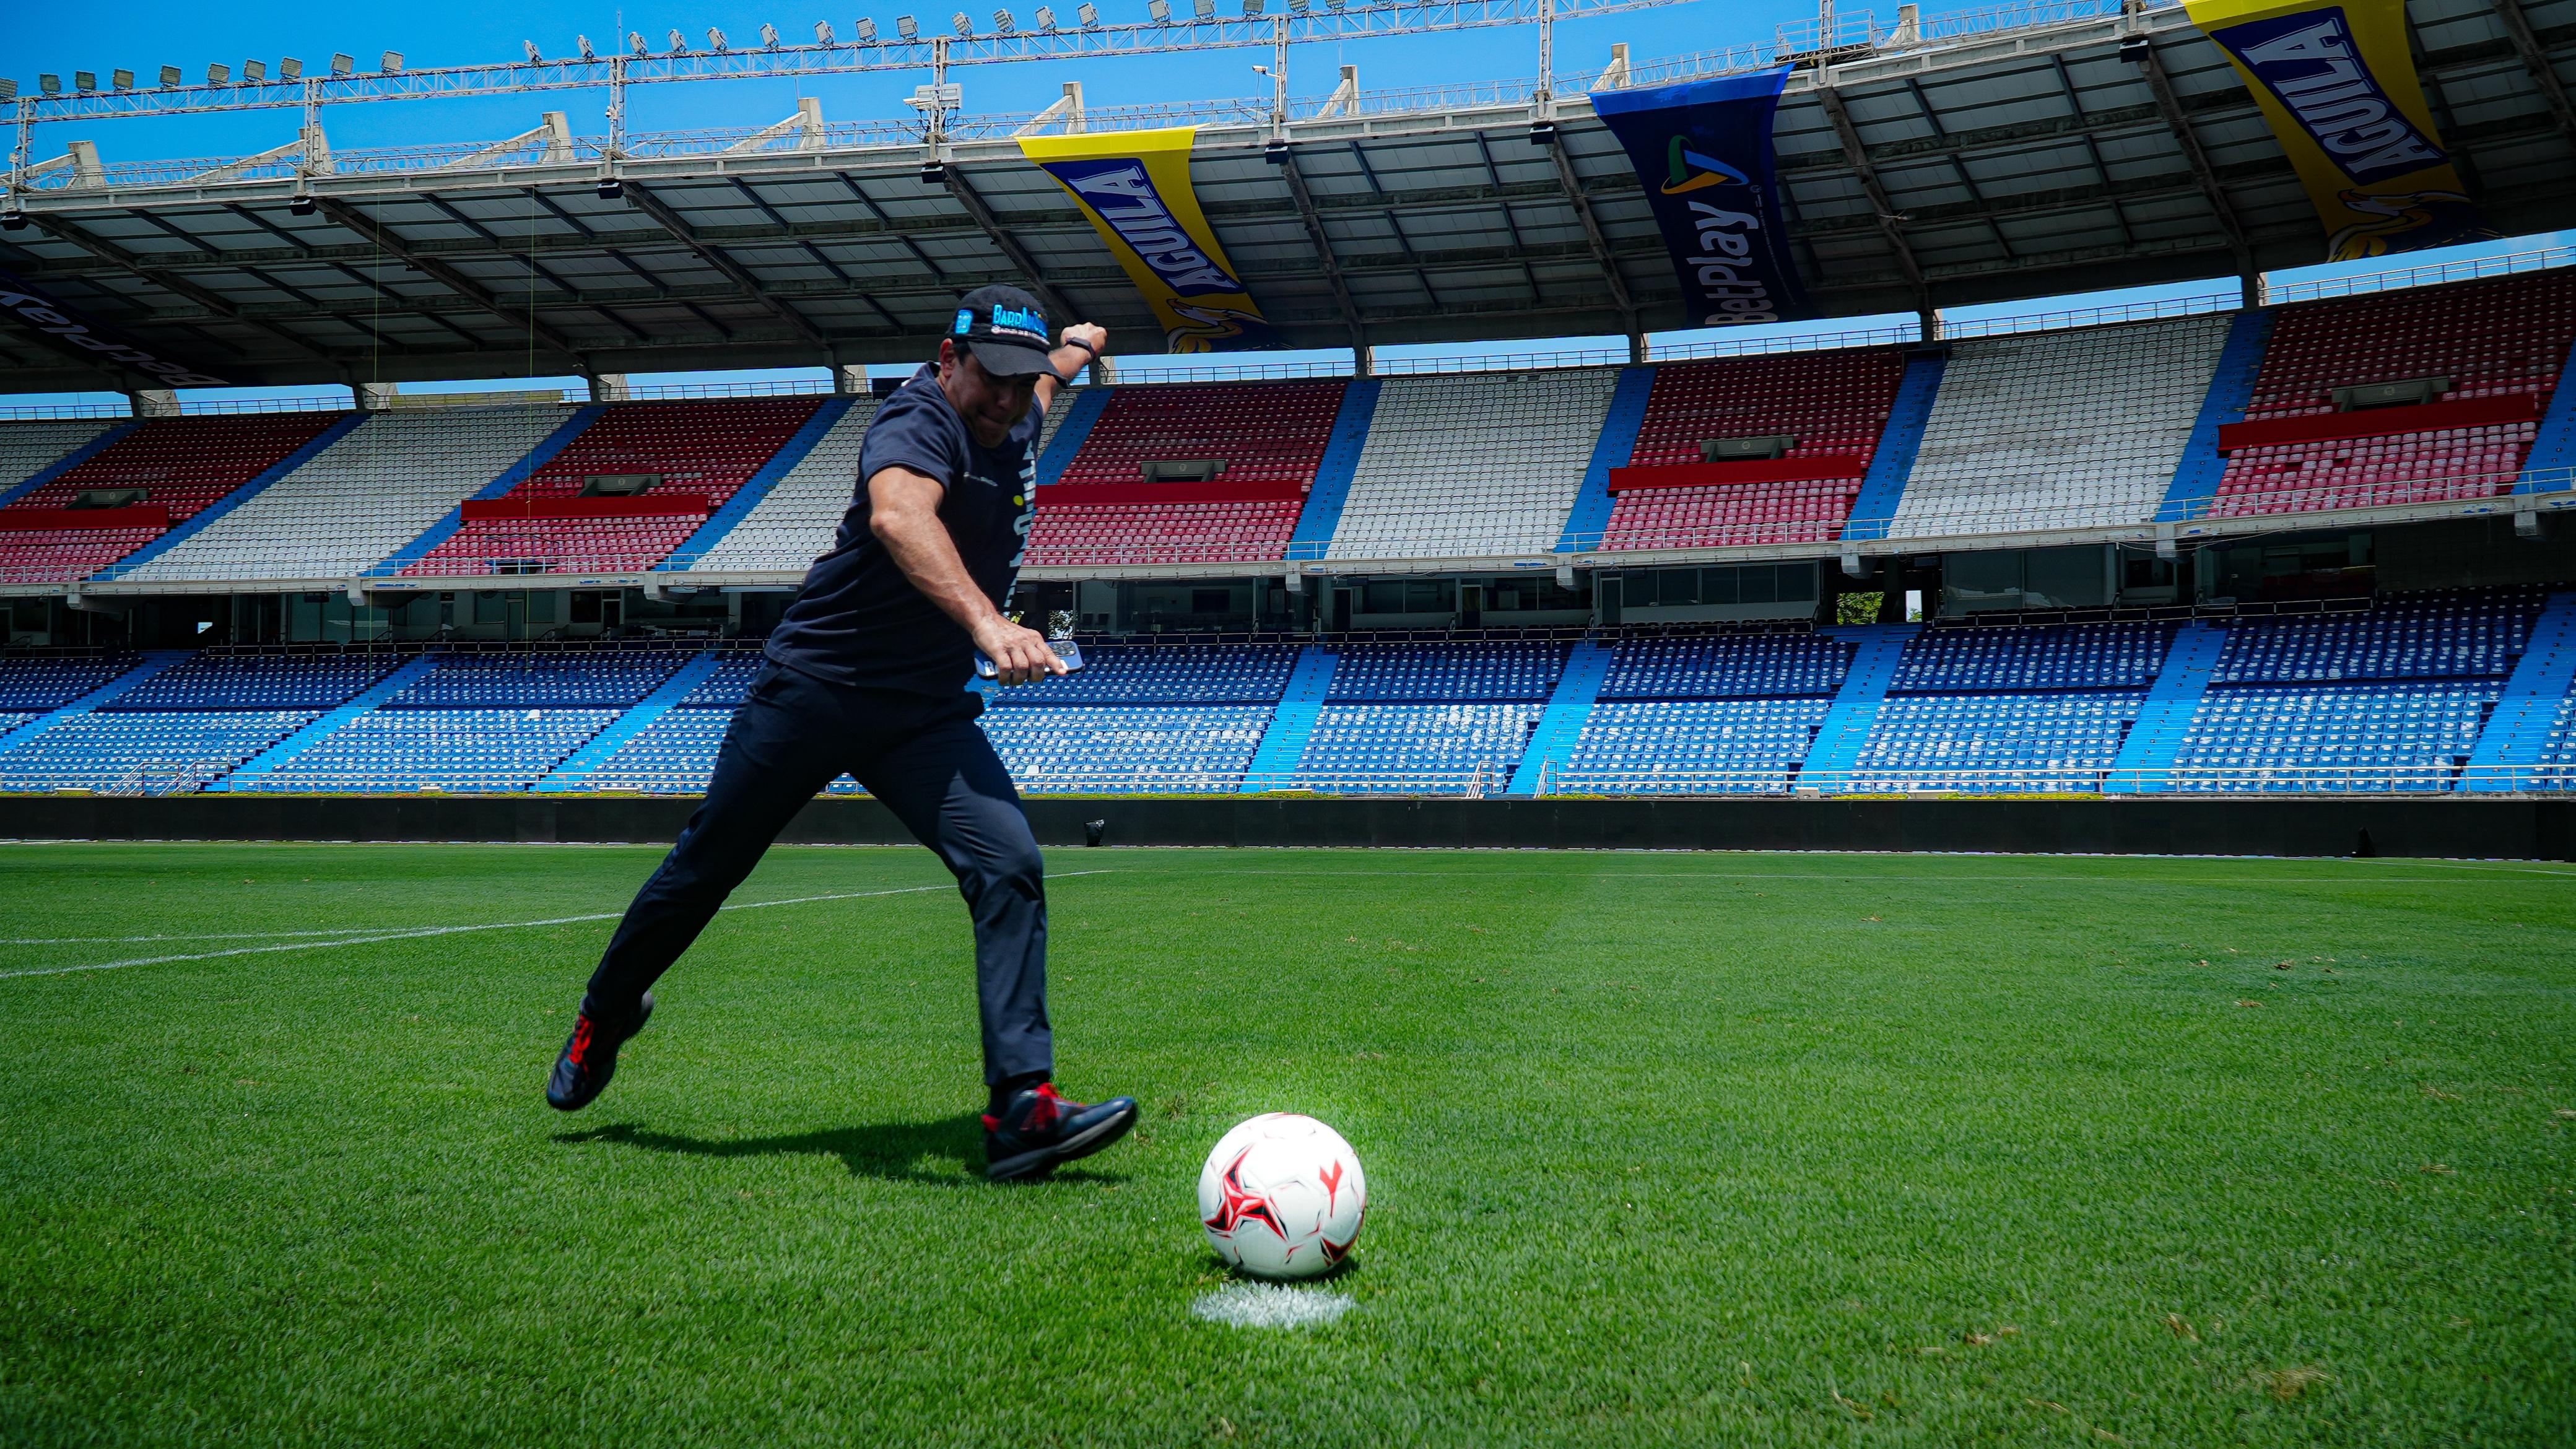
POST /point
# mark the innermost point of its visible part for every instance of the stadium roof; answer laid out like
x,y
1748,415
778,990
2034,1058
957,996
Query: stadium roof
x,y
2019,153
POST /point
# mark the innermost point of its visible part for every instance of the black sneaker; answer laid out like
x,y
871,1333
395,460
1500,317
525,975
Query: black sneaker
x,y
590,1058
1039,1129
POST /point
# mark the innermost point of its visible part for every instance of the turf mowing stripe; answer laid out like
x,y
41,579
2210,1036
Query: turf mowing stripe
x,y
426,931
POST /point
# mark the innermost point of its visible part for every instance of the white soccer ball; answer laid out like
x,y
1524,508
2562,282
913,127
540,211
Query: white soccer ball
x,y
1282,1196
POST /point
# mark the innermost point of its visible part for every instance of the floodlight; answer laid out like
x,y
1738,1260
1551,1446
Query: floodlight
x,y
1251,7
170,76
217,74
679,43
1161,10
300,206
52,85
959,23
1542,133
122,79
392,63
340,65
1046,17
1275,150
933,173
1003,24
715,40
907,27
1090,14
14,221
254,71
1336,4
535,56
769,35
582,44
823,32
2136,50
8,89
611,189
867,31
1300,6
84,80
635,43
290,69
1206,9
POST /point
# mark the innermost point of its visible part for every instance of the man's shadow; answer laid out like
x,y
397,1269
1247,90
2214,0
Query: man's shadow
x,y
947,1153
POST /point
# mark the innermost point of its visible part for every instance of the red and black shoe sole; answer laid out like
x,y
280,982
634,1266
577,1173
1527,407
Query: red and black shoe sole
x,y
1020,1167
607,1064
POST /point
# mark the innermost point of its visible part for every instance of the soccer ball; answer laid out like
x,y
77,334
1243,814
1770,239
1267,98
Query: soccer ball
x,y
1282,1196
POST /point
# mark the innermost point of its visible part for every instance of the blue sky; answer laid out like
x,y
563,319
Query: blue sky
x,y
146,35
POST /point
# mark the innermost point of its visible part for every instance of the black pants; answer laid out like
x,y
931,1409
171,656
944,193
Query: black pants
x,y
929,763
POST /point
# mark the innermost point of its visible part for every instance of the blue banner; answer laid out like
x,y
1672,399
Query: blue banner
x,y
1702,150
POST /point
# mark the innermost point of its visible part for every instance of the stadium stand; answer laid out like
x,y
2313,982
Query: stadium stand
x,y
1428,718
2393,698
482,750
1134,491
1472,465
1730,714
29,448
42,684
626,492
362,497
1751,450
140,752
793,524
161,472
2410,396
260,682
2075,429
1150,717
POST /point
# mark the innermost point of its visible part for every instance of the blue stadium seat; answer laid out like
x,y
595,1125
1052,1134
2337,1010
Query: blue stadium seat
x,y
139,752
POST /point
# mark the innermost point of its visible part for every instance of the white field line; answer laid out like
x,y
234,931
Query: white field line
x,y
1928,879
425,931
183,936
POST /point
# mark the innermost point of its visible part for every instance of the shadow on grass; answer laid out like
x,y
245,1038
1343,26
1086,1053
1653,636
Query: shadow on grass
x,y
948,1152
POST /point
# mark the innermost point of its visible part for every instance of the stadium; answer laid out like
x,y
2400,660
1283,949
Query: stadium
x,y
1883,711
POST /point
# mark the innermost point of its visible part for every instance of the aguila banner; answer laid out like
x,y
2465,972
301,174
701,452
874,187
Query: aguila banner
x,y
1702,149
1135,187
2337,83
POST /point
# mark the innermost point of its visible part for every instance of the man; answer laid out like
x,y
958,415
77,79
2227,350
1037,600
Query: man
x,y
867,672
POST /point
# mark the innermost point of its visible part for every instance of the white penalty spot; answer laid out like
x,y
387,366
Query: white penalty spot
x,y
1271,1305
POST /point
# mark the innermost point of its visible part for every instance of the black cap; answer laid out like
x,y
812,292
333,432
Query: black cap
x,y
1007,330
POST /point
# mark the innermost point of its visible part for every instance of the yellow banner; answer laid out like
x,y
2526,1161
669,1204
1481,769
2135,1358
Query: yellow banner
x,y
1135,187
2337,83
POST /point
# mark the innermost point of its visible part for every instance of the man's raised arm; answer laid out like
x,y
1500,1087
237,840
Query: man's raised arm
x,y
1077,348
903,512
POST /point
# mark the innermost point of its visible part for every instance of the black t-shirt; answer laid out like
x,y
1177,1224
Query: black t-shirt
x,y
858,621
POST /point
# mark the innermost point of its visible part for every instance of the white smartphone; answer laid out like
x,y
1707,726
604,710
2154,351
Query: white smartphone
x,y
1065,649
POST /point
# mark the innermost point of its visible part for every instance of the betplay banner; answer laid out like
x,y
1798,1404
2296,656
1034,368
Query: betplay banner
x,y
73,330
1135,187
1702,149
2337,83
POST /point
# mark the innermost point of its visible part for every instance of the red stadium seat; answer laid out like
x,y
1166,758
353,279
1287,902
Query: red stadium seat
x,y
181,464
1269,433
705,448
2491,339
1831,402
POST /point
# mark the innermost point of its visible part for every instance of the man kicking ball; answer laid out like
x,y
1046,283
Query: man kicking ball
x,y
867,673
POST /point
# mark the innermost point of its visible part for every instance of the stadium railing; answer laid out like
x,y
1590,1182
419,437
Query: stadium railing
x,y
1875,780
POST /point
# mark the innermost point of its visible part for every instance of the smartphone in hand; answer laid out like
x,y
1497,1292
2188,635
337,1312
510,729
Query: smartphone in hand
x,y
1065,649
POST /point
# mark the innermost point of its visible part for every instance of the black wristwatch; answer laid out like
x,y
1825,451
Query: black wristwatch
x,y
1085,346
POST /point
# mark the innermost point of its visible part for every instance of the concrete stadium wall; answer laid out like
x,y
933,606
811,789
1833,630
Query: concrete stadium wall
x,y
2311,826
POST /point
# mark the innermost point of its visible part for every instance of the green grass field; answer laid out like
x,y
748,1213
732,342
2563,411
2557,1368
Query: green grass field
x,y
1661,1148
